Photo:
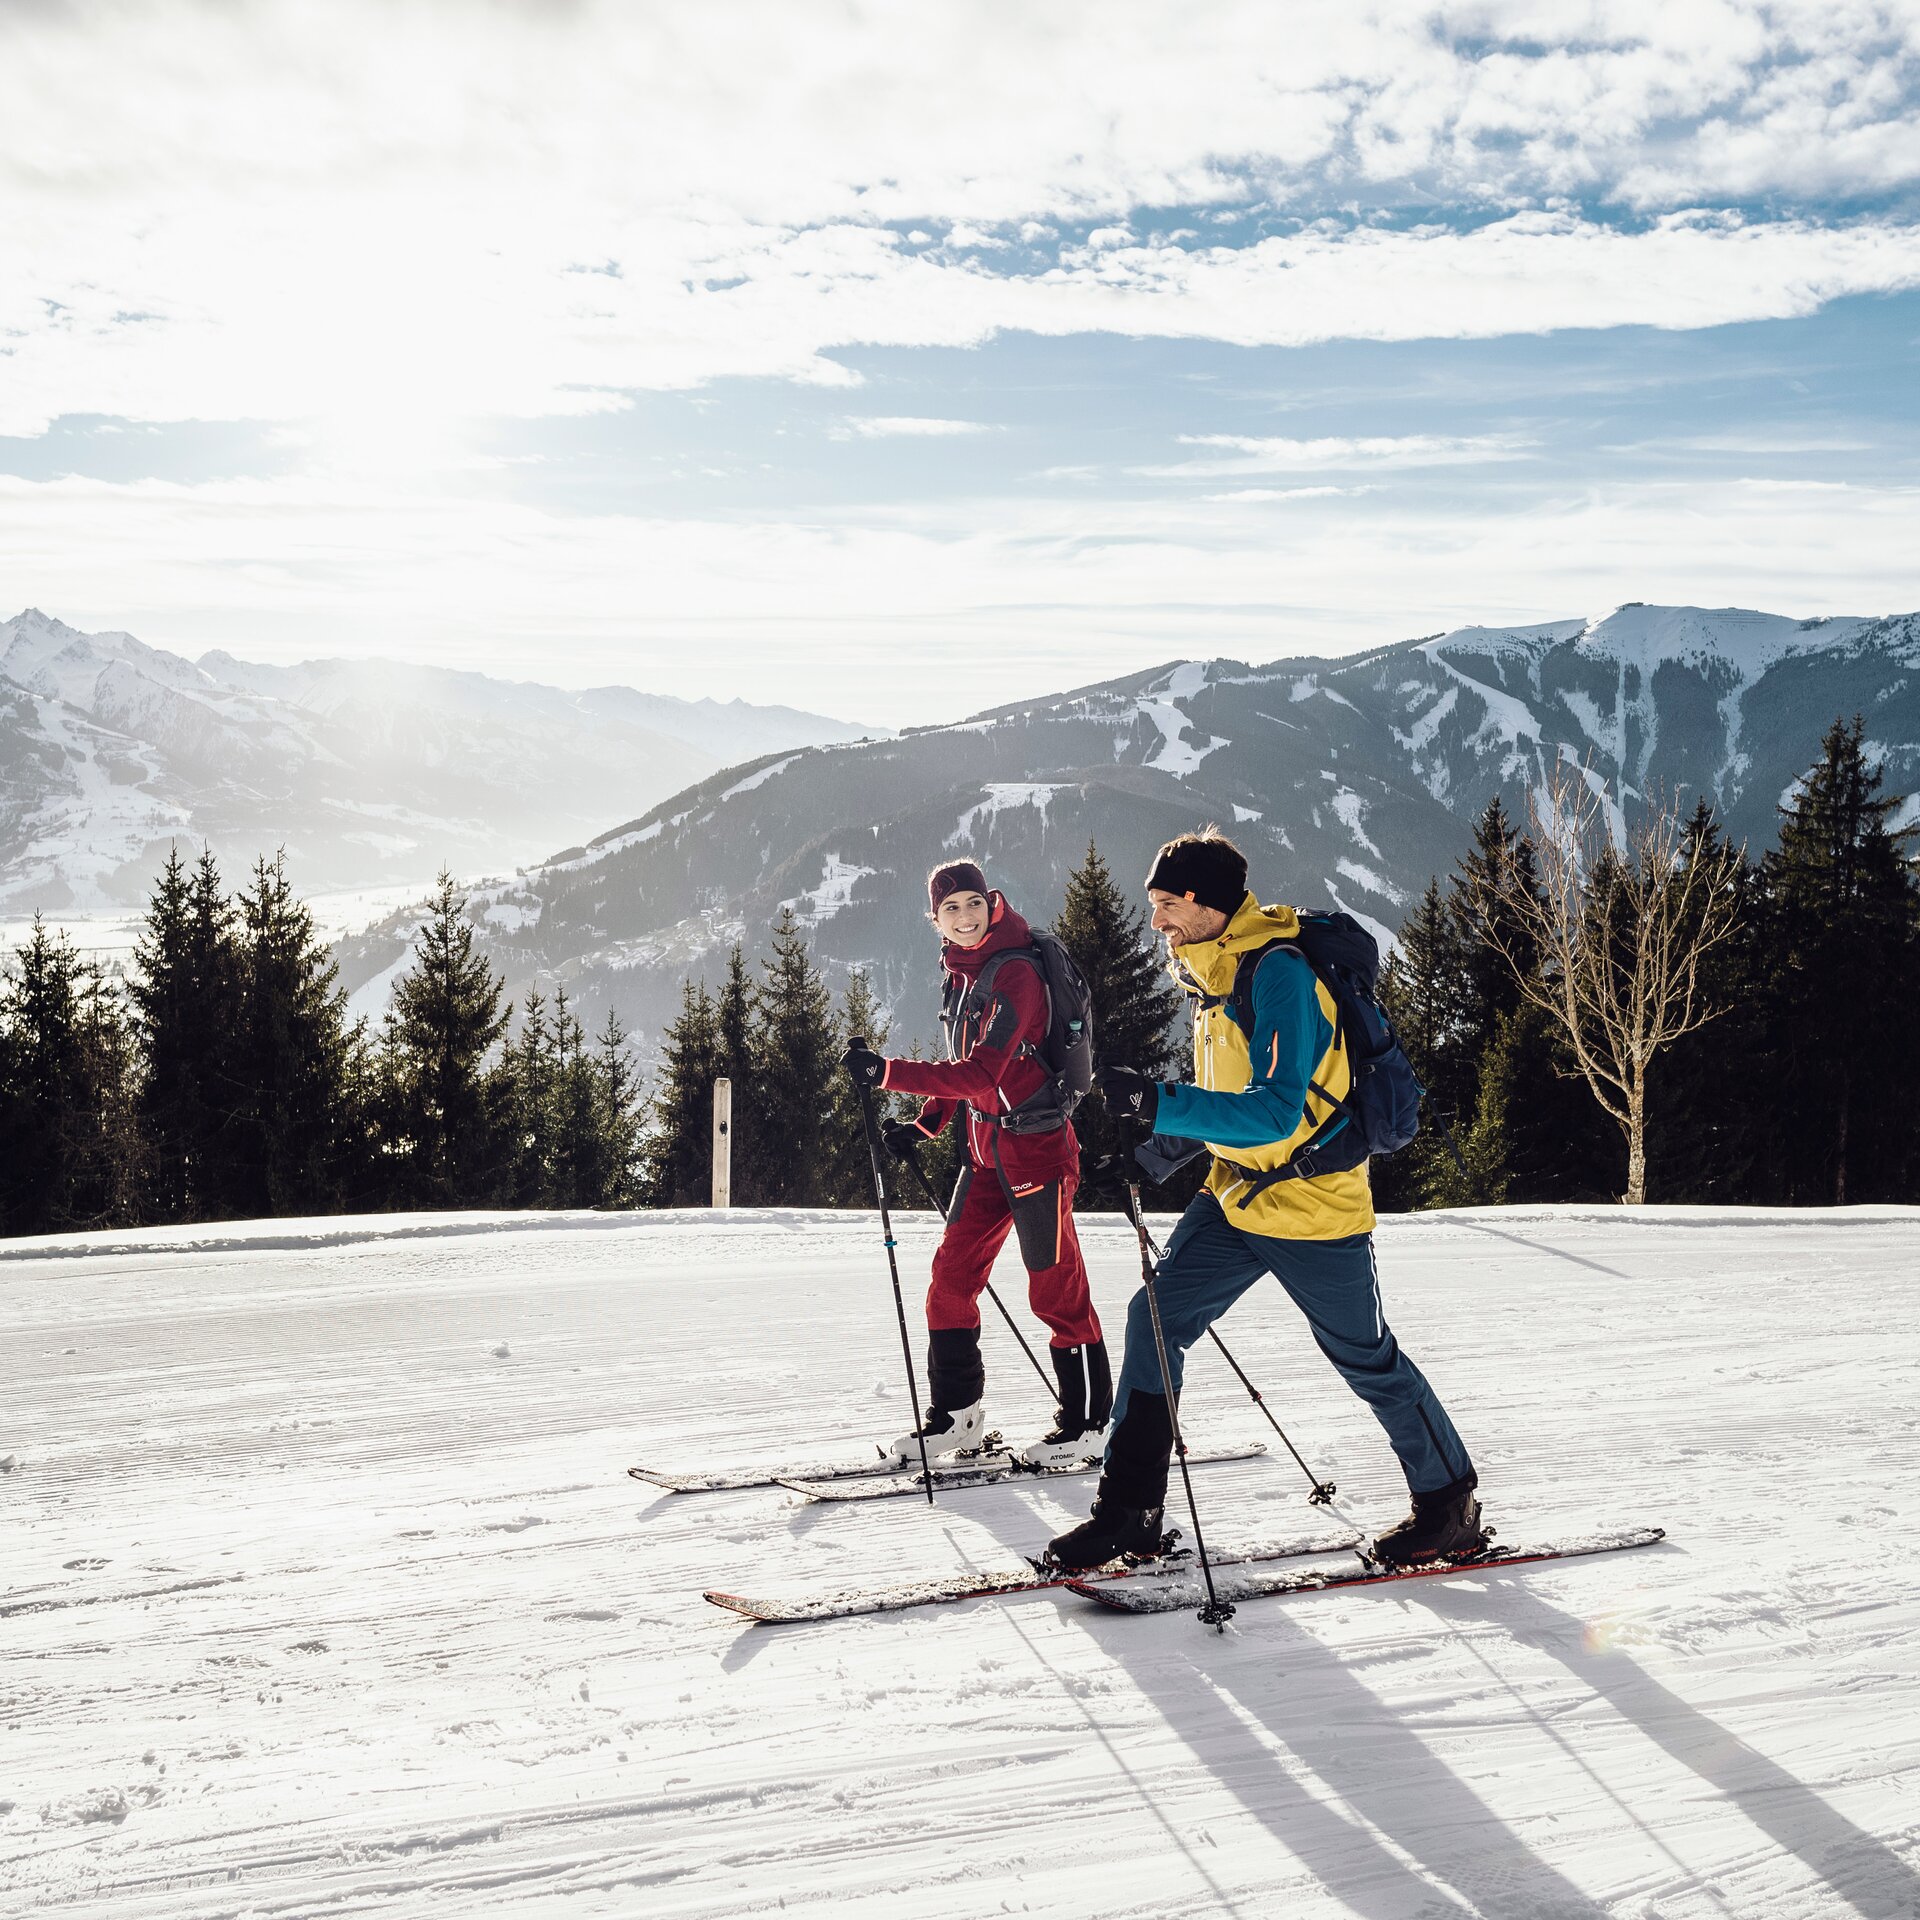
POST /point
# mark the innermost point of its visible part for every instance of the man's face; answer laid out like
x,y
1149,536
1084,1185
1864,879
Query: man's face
x,y
964,917
1182,919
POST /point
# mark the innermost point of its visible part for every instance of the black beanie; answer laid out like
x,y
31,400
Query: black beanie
x,y
1208,866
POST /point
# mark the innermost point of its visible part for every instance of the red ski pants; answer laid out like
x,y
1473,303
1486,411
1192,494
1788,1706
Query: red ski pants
x,y
983,1213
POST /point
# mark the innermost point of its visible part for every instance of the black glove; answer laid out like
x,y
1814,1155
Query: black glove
x,y
1131,1097
901,1136
864,1065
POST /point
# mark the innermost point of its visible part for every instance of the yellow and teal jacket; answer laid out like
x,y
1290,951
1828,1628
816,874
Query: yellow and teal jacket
x,y
1252,1100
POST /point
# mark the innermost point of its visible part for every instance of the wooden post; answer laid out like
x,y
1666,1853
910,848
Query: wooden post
x,y
723,1143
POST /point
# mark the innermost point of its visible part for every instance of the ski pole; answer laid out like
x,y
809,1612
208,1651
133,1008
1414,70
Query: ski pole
x,y
1217,1612
1013,1326
872,1126
1323,1490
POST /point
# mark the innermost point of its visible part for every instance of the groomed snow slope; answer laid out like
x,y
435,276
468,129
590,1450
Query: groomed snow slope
x,y
324,1592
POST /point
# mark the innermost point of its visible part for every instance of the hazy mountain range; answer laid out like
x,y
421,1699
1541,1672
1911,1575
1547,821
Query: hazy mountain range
x,y
366,771
1349,781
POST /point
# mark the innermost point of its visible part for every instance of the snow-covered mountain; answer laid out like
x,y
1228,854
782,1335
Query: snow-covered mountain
x,y
1349,781
364,770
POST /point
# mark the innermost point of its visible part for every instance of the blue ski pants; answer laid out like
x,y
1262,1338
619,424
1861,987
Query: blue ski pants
x,y
1209,1263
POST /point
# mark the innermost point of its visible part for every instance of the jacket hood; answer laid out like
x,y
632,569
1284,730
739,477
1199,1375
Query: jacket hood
x,y
1210,964
1006,929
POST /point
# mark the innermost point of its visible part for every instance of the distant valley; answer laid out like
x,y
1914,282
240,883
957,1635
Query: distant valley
x,y
370,772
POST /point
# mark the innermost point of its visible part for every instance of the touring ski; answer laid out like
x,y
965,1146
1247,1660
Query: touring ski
x,y
1172,1590
730,1482
982,1470
980,1586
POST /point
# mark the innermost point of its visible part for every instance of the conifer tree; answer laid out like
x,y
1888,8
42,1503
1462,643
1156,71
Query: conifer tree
x,y
448,1014
798,1063
1844,919
185,992
1526,1128
1710,1111
1422,990
754,1131
286,1066
1134,1007
590,1107
617,1178
68,1139
678,1155
850,1166
529,1074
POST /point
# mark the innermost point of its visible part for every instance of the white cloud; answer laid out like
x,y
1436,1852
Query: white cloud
x,y
1247,453
1286,493
890,426
359,213
883,615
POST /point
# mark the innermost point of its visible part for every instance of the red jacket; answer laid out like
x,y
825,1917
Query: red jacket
x,y
990,1074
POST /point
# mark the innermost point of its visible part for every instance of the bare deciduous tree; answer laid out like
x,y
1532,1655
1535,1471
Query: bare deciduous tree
x,y
1611,945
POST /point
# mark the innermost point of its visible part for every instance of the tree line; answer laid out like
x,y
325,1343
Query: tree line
x,y
1653,1015
1657,1015
225,1081
797,1134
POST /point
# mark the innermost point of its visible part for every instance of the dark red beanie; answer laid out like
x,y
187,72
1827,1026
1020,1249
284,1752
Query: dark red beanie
x,y
957,876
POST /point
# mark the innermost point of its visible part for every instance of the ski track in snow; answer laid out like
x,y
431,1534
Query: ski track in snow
x,y
324,1590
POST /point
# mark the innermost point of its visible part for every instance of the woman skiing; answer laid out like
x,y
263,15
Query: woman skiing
x,y
1022,1167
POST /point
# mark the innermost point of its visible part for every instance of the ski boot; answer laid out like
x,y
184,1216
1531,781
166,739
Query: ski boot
x,y
1078,1436
1113,1533
945,1430
1067,1444
1445,1524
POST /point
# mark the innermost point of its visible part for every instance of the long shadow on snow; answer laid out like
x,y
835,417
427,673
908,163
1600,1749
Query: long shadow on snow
x,y
1860,1868
1341,1733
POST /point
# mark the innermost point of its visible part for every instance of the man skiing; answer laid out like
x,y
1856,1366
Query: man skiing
x,y
1022,1167
1262,1091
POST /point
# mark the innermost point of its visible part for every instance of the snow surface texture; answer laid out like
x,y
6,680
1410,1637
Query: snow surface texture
x,y
325,1591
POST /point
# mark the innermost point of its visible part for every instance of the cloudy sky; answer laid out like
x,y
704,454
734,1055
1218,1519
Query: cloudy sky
x,y
900,359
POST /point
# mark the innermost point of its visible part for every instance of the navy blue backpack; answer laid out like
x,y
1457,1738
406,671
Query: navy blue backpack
x,y
1381,1110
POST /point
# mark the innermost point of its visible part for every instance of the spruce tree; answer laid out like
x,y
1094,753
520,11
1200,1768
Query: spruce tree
x,y
69,1142
678,1155
529,1075
591,1163
850,1166
1422,990
1134,1007
448,1014
1709,1111
1532,1134
287,1064
798,1063
753,1136
1844,917
617,1090
185,992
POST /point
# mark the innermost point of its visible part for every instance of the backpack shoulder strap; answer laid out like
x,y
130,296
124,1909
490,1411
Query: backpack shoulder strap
x,y
1240,995
982,983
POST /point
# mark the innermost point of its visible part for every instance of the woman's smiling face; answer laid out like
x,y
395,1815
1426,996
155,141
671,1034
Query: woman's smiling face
x,y
964,917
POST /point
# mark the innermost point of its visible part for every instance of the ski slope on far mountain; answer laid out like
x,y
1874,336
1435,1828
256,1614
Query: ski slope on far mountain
x,y
326,1592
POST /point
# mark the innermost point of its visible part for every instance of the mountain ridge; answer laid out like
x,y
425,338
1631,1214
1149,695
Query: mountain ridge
x,y
1350,782
368,772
